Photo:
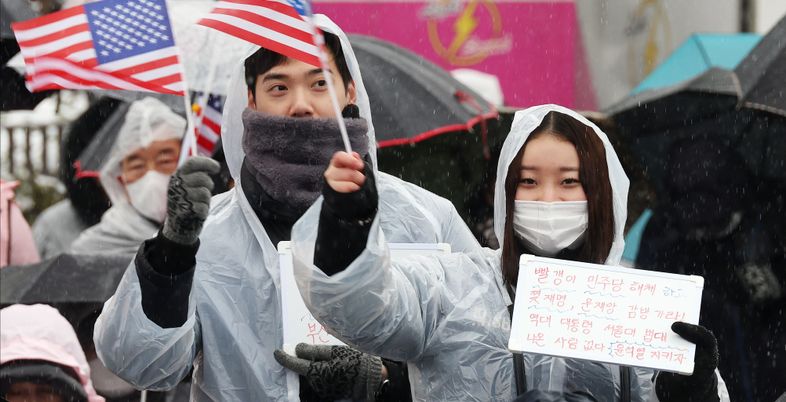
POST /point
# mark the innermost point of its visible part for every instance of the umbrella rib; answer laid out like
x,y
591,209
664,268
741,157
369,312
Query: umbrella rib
x,y
766,108
704,54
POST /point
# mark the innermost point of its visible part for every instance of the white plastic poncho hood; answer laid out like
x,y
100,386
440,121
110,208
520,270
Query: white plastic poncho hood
x,y
122,227
526,121
237,100
39,332
147,120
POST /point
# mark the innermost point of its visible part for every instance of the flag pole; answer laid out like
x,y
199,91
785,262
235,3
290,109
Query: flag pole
x,y
211,73
319,41
188,146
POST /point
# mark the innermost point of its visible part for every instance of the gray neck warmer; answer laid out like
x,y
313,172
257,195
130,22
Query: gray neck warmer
x,y
288,155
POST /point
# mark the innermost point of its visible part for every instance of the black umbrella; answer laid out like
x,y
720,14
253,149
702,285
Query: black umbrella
x,y
706,107
65,278
744,108
431,129
651,121
413,99
762,74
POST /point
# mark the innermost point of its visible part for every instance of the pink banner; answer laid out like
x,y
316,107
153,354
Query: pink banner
x,y
531,46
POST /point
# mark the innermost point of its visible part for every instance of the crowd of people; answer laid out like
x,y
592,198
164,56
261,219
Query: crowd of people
x,y
197,313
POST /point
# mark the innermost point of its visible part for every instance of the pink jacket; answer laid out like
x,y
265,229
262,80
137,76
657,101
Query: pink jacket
x,y
16,238
39,332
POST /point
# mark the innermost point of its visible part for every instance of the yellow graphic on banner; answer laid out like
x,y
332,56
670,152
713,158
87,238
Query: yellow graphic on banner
x,y
649,39
467,47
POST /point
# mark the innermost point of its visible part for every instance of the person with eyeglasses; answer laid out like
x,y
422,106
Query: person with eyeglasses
x,y
135,176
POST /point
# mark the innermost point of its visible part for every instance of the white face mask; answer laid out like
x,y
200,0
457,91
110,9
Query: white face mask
x,y
550,227
148,195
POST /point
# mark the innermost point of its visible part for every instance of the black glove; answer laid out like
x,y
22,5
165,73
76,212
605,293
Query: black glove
x,y
350,215
188,199
357,207
702,385
335,372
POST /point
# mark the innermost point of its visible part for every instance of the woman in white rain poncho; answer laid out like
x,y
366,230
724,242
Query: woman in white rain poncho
x,y
447,316
221,315
135,177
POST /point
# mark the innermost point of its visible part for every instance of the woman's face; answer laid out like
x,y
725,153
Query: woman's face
x,y
550,171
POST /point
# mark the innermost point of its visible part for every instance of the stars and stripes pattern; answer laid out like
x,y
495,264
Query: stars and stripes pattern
x,y
208,131
109,44
273,24
303,7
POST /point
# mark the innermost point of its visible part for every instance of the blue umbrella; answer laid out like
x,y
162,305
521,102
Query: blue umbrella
x,y
697,54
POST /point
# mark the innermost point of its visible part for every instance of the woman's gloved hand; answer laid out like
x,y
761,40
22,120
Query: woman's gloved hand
x,y
188,199
702,385
335,372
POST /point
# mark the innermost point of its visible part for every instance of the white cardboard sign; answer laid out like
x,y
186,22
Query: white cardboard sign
x,y
299,326
604,313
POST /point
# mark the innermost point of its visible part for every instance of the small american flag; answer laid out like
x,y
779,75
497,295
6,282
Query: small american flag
x,y
276,25
209,131
109,44
303,7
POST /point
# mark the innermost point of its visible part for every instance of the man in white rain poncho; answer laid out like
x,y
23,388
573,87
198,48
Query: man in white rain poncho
x,y
135,177
210,300
448,316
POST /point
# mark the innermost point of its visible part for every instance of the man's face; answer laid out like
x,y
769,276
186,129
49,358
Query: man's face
x,y
160,156
298,89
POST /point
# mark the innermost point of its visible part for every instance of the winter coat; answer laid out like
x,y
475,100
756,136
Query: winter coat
x,y
56,229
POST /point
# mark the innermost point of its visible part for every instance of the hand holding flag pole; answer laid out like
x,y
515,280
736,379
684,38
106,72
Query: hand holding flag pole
x,y
188,146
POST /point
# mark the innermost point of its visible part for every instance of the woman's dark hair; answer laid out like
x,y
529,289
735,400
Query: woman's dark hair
x,y
86,193
265,59
594,177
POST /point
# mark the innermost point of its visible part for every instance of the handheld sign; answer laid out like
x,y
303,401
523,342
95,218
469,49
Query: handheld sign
x,y
604,313
299,326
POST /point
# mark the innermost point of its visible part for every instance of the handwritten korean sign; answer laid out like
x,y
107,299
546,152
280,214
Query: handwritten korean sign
x,y
604,313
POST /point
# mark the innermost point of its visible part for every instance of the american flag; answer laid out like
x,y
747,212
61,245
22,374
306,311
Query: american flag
x,y
109,44
276,25
209,131
303,7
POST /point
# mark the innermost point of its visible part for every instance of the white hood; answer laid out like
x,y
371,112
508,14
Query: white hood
x,y
237,100
524,122
146,121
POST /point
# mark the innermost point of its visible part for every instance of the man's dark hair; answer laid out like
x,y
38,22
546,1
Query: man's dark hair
x,y
264,59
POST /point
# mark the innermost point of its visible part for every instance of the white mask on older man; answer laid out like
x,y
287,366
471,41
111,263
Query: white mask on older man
x,y
148,195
